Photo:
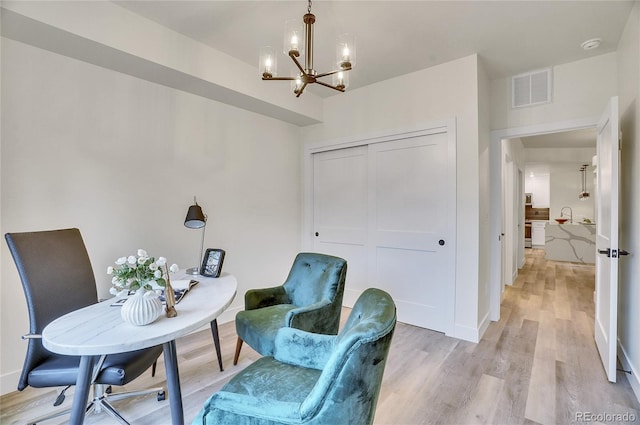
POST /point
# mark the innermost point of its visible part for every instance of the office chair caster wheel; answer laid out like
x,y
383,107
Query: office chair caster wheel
x,y
161,396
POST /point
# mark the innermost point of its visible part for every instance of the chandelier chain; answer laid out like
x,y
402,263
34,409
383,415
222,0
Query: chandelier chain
x,y
309,7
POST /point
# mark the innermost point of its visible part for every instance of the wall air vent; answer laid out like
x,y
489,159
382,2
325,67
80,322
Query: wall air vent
x,y
531,88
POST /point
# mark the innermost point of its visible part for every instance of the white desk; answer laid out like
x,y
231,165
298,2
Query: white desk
x,y
98,329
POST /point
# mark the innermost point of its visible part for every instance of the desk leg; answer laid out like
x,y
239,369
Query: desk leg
x,y
216,341
173,382
83,382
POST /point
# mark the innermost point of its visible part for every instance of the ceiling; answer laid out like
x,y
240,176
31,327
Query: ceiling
x,y
399,37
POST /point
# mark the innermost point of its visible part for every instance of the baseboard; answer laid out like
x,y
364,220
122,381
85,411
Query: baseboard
x,y
484,325
350,297
466,333
627,365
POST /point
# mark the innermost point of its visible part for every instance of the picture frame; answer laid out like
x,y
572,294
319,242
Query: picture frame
x,y
212,262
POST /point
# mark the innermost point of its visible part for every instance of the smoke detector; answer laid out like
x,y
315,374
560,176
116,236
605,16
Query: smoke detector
x,y
594,43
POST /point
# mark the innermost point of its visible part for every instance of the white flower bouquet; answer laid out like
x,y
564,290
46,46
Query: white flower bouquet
x,y
132,273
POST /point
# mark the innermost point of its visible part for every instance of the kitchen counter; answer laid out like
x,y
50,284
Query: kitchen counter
x,y
571,242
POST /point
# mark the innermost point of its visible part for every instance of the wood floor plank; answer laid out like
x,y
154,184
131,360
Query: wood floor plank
x,y
537,365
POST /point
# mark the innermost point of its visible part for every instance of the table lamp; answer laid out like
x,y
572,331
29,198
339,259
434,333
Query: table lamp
x,y
196,219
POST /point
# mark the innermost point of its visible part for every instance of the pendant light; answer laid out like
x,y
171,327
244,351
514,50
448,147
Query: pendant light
x,y
584,194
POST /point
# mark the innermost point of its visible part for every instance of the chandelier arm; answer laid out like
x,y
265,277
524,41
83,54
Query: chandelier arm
x,y
331,72
301,89
293,58
279,78
322,83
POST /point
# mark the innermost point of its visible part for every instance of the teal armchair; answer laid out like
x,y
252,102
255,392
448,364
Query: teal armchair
x,y
313,379
310,299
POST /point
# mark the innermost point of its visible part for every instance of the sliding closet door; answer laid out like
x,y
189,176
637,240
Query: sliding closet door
x,y
340,212
388,208
410,245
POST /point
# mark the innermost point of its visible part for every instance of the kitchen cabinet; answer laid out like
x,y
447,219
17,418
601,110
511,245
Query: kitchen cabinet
x,y
538,233
540,188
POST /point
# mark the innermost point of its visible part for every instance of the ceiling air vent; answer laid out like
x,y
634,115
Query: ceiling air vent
x,y
531,88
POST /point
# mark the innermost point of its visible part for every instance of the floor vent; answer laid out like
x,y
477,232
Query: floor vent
x,y
531,88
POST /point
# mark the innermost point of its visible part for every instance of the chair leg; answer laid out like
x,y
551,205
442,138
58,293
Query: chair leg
x,y
153,368
238,348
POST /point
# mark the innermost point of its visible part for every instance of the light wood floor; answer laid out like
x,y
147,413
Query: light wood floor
x,y
538,364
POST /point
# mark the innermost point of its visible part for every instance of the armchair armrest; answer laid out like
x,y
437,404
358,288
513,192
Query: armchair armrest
x,y
304,349
249,405
307,317
265,297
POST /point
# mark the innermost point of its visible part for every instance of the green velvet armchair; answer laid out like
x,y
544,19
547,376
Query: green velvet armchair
x,y
310,299
313,379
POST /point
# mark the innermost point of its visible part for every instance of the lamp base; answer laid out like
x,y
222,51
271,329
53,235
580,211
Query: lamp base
x,y
193,270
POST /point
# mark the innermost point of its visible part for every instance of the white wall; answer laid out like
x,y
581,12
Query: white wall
x,y
431,95
629,291
121,158
580,89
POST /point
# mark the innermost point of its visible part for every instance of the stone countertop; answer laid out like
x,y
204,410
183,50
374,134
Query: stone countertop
x,y
574,242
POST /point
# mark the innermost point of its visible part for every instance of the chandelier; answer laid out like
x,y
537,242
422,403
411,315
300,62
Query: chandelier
x,y
303,76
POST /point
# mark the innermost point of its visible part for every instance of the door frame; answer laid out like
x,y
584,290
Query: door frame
x,y
496,201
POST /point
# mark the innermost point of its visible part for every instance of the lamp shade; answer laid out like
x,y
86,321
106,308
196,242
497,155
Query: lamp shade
x,y
195,217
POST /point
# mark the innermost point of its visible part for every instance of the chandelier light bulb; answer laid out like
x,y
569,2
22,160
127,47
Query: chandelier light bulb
x,y
294,42
345,53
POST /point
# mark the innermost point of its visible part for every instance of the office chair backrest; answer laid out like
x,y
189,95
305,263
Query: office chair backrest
x,y
315,277
57,278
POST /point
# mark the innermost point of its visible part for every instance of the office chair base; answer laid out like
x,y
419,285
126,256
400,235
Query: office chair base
x,y
102,397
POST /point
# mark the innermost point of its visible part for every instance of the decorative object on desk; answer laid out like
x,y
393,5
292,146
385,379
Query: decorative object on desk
x,y
562,220
142,274
142,308
170,299
196,219
180,289
212,262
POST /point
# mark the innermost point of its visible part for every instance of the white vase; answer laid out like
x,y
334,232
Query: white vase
x,y
142,308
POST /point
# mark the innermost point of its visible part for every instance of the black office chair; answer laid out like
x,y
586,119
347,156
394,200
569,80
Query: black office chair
x,y
57,278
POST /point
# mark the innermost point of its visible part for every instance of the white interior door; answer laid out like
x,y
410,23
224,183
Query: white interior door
x,y
607,169
412,249
340,211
